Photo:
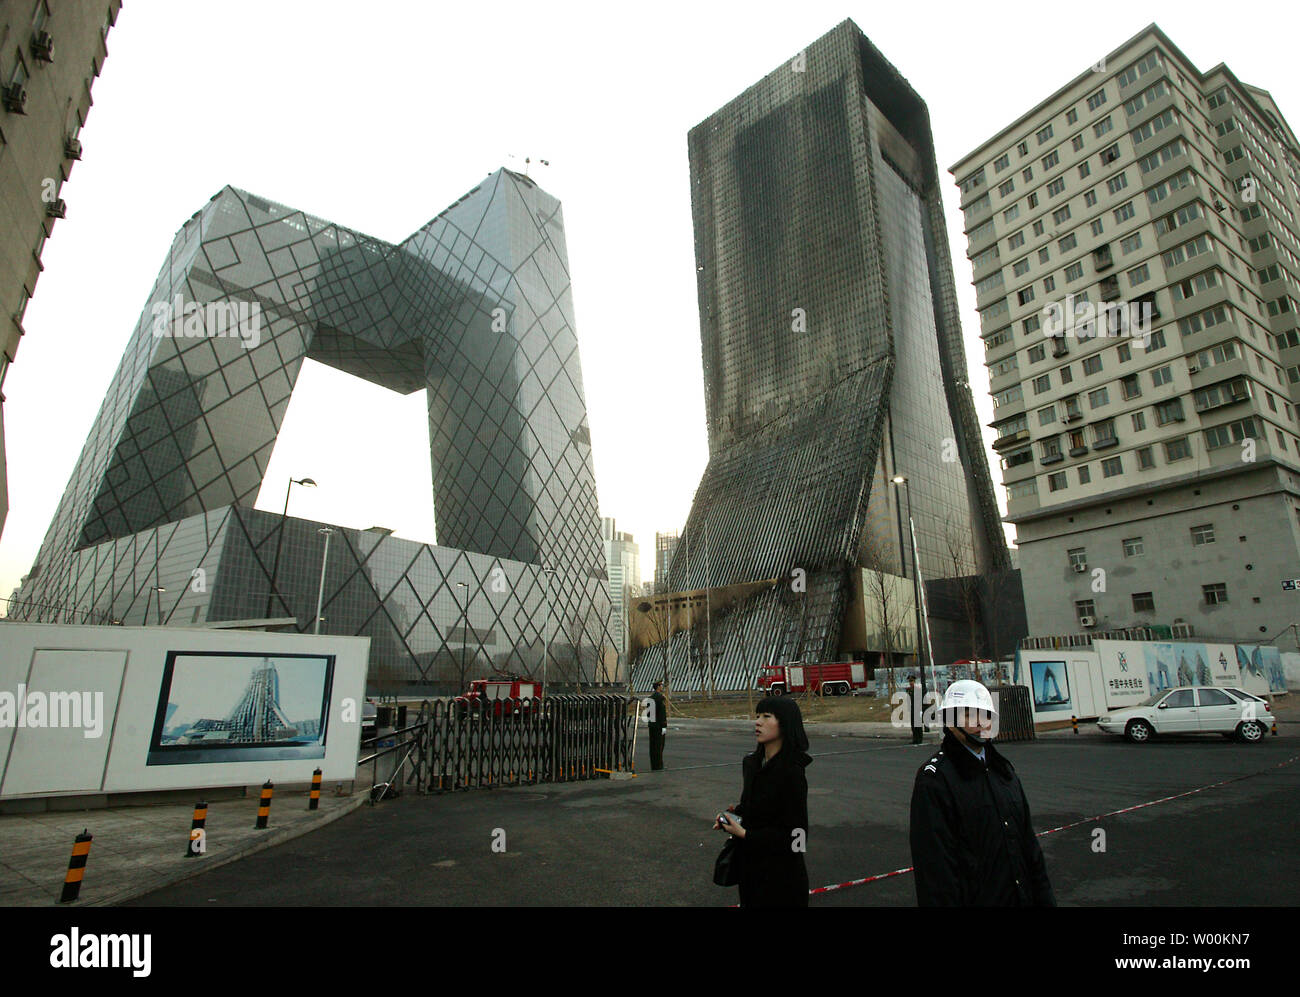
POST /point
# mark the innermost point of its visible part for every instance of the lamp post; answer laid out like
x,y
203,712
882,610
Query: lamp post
x,y
275,568
899,479
320,592
160,590
464,629
546,634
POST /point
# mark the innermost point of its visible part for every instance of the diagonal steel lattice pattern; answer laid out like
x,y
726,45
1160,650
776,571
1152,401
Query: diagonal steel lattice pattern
x,y
475,308
832,361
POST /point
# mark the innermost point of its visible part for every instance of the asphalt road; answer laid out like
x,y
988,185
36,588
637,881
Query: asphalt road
x,y
648,841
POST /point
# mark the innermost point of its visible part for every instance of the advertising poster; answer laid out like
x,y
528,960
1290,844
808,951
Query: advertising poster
x,y
1223,665
1124,671
1051,685
1250,660
1271,659
1161,667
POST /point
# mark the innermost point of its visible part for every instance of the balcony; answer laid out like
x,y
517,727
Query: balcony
x,y
1051,458
1060,348
1002,442
1101,258
1110,288
1078,451
1072,415
1104,442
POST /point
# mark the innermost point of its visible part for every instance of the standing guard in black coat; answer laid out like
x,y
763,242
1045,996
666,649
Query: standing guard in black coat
x,y
774,809
972,841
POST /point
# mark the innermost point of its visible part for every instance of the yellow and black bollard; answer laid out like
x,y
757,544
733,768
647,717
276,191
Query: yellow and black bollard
x,y
1074,722
198,833
314,803
76,867
1275,727
264,807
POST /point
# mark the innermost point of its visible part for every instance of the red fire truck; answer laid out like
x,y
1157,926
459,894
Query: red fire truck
x,y
834,678
497,691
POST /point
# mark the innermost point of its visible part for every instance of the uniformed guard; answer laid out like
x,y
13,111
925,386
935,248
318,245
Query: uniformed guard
x,y
972,841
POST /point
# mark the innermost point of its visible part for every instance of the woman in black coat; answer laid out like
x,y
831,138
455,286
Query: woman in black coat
x,y
773,809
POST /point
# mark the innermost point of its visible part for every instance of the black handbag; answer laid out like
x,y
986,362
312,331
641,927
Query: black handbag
x,y
726,869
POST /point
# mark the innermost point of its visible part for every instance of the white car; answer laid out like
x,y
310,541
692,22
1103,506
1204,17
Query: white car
x,y
1192,710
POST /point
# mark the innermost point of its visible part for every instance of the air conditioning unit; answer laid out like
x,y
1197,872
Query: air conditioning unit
x,y
14,98
42,47
1087,621
1192,368
57,209
71,148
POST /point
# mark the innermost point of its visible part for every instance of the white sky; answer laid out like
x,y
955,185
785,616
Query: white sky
x,y
379,115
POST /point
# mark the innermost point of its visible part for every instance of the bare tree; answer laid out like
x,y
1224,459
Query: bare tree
x,y
961,556
889,604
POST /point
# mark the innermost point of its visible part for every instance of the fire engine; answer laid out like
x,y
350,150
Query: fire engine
x,y
834,678
498,691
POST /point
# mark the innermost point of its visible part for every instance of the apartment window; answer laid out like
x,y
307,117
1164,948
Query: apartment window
x,y
1216,594
1077,142
1096,226
1089,198
1102,127
1098,398
1096,100
1161,375
1124,354
1233,432
1124,212
1085,475
1170,411
1043,134
1133,547
1037,353
1139,421
1130,243
1057,186
1046,416
1074,271
1109,154
1006,187
1202,535
1016,240
1043,383
1061,215
1011,214
1056,482
1156,341
1066,243
1177,449
1002,162
1022,489
1146,459
1032,200
1077,556
1143,602
1050,160
1092,365
1021,266
1023,148
1026,295
1038,226
1085,608
1031,324
1044,255
1112,467
1067,375
1027,174
1103,433
1084,170
1139,275
1129,387
1071,116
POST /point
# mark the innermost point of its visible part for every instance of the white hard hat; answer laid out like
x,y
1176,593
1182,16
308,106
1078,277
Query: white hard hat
x,y
968,694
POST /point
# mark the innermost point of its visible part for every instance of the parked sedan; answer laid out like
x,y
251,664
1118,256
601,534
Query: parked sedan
x,y
1192,710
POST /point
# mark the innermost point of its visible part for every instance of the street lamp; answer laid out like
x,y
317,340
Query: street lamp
x,y
275,569
464,629
160,590
546,634
899,479
320,592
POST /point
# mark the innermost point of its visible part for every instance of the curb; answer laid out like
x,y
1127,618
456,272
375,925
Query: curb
x,y
157,881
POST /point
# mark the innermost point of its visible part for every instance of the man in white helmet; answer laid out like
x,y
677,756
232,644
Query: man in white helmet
x,y
972,841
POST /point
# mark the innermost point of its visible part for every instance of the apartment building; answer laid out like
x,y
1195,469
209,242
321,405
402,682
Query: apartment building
x,y
1136,257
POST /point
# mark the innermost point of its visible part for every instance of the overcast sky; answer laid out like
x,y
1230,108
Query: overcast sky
x,y
378,115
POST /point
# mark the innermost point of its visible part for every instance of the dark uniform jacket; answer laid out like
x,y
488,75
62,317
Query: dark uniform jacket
x,y
972,841
660,718
774,804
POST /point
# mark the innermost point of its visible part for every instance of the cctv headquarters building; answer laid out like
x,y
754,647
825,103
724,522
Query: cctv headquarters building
x,y
157,526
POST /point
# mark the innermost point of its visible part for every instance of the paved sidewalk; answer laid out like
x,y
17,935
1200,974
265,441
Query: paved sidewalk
x,y
138,849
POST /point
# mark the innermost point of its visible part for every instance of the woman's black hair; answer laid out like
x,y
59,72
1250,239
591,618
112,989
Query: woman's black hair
x,y
787,714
